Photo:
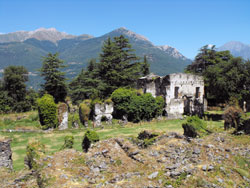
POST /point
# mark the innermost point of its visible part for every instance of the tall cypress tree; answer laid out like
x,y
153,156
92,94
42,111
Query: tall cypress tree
x,y
55,81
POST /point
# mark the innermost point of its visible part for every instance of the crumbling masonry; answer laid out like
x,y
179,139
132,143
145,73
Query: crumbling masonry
x,y
5,154
183,93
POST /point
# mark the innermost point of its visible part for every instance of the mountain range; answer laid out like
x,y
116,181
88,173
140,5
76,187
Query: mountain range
x,y
27,48
237,49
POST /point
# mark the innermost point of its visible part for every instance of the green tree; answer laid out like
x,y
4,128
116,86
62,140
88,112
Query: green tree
x,y
87,84
14,82
118,67
145,66
226,80
14,88
55,84
225,77
207,57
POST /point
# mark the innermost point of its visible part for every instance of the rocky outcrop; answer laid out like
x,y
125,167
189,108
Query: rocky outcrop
x,y
5,154
103,111
217,160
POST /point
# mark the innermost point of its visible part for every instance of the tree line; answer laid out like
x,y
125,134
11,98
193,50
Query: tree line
x,y
226,78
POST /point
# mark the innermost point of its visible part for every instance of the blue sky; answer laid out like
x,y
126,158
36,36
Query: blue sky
x,y
184,24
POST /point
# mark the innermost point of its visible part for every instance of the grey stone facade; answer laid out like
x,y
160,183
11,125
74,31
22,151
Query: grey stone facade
x,y
5,154
103,110
183,93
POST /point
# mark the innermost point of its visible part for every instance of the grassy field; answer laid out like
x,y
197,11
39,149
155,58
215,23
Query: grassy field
x,y
54,140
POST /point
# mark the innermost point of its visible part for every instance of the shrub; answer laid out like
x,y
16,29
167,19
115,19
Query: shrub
x,y
89,137
84,111
47,111
74,120
145,139
122,98
34,151
232,116
136,106
68,142
244,124
194,126
160,103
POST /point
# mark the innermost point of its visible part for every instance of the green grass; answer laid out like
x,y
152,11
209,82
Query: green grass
x,y
54,140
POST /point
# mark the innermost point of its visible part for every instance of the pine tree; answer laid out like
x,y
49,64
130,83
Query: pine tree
x,y
145,66
54,79
118,66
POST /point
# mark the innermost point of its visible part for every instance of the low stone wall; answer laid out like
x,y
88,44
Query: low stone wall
x,y
5,154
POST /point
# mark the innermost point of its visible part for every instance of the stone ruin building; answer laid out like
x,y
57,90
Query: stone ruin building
x,y
183,93
104,110
5,154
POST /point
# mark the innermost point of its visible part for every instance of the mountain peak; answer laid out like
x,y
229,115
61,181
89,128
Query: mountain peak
x,y
52,29
172,51
237,49
130,34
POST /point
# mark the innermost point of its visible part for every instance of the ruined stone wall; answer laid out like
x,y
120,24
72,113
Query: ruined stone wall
x,y
150,84
103,110
185,100
63,116
187,85
5,154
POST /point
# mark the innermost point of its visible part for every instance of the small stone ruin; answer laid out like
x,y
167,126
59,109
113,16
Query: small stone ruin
x,y
103,112
63,116
5,154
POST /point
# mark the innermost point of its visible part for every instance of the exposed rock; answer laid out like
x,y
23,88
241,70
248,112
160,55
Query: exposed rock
x,y
5,154
153,175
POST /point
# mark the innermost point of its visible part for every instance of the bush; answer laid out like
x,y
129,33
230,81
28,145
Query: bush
x,y
84,111
89,137
68,142
136,106
34,151
160,103
122,98
194,126
232,116
74,120
47,111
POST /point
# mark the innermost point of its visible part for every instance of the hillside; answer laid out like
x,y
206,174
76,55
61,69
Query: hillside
x,y
76,51
237,49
